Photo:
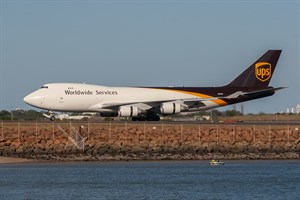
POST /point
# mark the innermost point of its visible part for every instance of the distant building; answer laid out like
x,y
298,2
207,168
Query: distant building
x,y
293,110
298,109
242,109
234,107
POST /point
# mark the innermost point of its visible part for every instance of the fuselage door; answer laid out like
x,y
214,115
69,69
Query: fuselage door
x,y
61,99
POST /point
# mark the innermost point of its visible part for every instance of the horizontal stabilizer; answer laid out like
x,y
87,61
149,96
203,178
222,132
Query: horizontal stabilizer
x,y
235,95
264,90
241,93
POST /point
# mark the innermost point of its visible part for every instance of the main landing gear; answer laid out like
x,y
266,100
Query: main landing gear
x,y
146,118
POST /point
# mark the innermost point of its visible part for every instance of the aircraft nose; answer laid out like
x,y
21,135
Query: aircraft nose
x,y
34,100
27,99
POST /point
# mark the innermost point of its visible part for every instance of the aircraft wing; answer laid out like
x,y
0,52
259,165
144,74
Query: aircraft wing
x,y
188,102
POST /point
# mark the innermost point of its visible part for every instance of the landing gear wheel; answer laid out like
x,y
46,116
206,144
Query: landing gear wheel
x,y
146,118
134,119
155,118
52,118
139,118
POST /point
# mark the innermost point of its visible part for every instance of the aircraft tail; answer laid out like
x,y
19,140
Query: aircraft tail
x,y
259,73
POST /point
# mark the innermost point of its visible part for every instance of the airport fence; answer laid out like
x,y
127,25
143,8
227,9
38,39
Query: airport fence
x,y
160,132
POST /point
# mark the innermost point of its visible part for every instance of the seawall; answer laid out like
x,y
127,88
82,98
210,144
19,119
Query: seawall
x,y
144,141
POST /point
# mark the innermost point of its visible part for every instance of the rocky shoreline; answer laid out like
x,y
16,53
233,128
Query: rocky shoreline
x,y
125,142
159,157
14,160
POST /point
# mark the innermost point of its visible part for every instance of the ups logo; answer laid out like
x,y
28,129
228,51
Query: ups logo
x,y
263,71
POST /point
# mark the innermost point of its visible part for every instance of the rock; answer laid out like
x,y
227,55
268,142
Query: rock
x,y
7,142
2,144
137,149
155,142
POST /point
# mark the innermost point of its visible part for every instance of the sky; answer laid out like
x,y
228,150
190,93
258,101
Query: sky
x,y
146,43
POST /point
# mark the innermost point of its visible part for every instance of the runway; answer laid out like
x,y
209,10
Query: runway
x,y
185,122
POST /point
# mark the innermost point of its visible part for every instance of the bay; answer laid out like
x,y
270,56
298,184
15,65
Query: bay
x,y
253,179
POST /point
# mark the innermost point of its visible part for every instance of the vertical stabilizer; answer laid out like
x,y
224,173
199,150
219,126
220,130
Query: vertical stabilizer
x,y
259,73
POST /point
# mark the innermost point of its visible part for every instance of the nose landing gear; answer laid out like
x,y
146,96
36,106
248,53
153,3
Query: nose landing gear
x,y
50,116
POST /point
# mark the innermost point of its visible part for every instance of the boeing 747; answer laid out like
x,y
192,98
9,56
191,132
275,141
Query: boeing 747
x,y
149,103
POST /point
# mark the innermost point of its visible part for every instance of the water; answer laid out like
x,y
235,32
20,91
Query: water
x,y
151,180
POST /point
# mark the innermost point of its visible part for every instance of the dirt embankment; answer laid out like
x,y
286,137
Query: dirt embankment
x,y
124,141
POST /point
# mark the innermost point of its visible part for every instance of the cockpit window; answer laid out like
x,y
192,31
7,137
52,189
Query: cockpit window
x,y
44,86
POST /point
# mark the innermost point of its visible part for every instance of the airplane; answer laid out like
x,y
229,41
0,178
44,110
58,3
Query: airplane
x,y
150,103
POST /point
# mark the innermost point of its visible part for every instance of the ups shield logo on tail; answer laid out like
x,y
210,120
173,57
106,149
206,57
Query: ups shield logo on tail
x,y
263,71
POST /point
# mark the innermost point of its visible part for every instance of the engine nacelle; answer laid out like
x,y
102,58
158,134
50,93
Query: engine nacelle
x,y
170,108
129,111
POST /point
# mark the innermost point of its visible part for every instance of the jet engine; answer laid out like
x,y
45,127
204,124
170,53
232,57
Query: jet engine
x,y
171,108
129,111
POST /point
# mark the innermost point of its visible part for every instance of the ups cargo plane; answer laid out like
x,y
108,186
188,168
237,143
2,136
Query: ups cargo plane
x,y
149,103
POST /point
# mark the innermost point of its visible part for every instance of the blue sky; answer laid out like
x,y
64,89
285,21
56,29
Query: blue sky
x,y
146,43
